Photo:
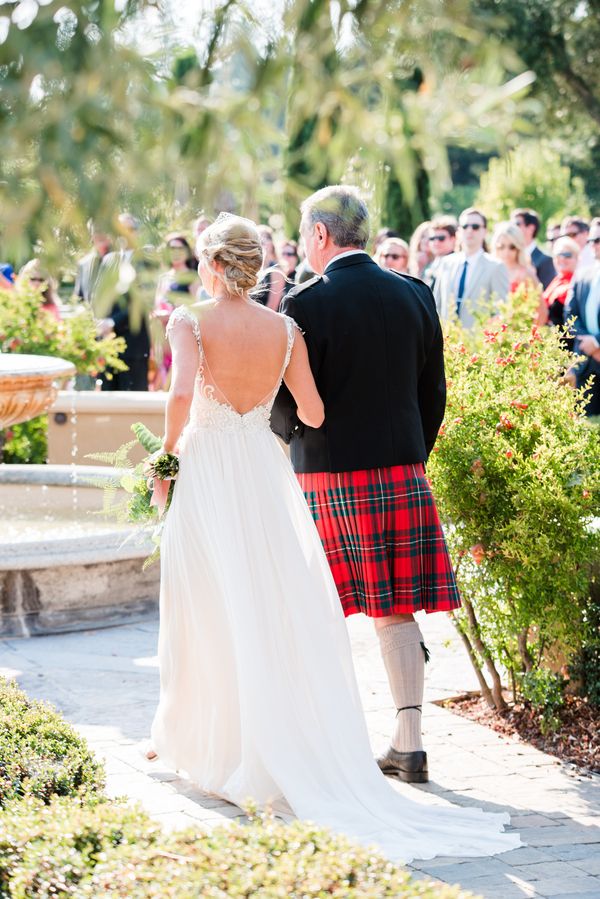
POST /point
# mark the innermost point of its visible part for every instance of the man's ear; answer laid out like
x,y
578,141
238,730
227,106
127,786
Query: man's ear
x,y
321,233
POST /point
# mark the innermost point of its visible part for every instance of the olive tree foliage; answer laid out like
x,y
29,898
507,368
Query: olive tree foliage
x,y
531,175
247,112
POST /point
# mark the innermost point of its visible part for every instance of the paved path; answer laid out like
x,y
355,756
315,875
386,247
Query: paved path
x,y
106,683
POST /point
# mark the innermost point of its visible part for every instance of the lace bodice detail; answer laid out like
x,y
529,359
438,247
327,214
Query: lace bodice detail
x,y
209,412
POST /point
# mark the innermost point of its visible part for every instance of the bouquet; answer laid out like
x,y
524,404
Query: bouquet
x,y
149,484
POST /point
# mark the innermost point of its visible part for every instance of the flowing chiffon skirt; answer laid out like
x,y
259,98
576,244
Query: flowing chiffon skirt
x,y
258,692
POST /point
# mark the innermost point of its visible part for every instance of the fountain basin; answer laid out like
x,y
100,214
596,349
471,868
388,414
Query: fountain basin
x,y
63,566
28,385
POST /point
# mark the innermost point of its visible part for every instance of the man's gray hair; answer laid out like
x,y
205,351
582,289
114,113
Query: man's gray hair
x,y
343,212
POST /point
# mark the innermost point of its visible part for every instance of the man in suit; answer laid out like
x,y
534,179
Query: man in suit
x,y
529,223
122,283
470,281
583,304
578,230
89,266
442,241
375,347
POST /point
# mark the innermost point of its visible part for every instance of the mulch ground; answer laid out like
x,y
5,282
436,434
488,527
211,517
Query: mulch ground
x,y
576,740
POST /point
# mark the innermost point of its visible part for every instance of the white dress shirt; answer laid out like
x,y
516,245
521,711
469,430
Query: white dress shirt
x,y
342,255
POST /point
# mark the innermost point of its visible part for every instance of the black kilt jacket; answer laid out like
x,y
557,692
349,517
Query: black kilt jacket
x,y
375,348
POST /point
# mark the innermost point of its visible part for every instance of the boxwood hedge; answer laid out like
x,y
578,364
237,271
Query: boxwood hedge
x,y
61,837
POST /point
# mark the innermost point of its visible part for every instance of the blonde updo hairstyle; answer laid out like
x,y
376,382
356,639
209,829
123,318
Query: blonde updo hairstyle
x,y
234,242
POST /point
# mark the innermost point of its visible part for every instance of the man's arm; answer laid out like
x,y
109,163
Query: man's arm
x,y
432,391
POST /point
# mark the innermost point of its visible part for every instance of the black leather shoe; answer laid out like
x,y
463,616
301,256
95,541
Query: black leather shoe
x,y
411,767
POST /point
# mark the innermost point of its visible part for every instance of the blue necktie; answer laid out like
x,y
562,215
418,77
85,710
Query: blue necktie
x,y
461,287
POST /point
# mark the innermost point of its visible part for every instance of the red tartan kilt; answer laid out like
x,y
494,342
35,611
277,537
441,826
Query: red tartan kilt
x,y
383,539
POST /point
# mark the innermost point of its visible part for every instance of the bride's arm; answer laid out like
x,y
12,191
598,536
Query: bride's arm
x,y
301,384
185,365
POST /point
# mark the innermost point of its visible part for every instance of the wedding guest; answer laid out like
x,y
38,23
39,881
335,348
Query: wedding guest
x,y
177,285
393,255
470,281
508,245
121,275
289,258
7,276
271,284
200,225
383,234
583,304
578,230
442,242
565,255
89,266
420,254
552,235
529,222
35,274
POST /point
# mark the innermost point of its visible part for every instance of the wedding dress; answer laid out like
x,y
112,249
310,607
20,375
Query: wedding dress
x,y
258,693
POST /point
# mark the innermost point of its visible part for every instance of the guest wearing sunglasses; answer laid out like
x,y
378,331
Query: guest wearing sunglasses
x,y
508,245
583,305
471,281
579,230
552,235
442,242
288,258
392,254
37,276
529,223
552,309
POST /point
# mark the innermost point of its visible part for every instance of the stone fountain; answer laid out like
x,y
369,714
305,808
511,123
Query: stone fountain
x,y
28,385
63,567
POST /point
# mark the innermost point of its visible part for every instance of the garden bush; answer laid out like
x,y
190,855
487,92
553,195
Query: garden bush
x,y
41,755
516,476
26,328
61,837
116,852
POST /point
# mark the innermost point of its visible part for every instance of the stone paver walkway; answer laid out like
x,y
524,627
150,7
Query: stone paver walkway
x,y
106,684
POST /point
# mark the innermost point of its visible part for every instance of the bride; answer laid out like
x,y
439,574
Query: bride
x,y
258,695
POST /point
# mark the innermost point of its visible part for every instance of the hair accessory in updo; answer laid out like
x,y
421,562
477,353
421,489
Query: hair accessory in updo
x,y
235,243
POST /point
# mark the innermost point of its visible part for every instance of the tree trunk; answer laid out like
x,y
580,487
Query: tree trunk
x,y
475,634
526,656
485,690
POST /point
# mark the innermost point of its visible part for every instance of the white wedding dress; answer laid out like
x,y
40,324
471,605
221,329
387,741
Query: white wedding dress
x,y
258,693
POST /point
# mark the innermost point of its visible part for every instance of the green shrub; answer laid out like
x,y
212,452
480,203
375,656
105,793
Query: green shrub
x,y
117,852
27,442
544,690
40,753
515,473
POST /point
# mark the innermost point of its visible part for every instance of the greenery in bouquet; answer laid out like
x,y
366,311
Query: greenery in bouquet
x,y
516,476
132,478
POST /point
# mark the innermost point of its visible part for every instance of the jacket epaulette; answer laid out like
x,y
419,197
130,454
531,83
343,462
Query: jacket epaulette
x,y
298,288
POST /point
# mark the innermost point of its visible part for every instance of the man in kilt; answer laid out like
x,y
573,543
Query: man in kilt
x,y
375,347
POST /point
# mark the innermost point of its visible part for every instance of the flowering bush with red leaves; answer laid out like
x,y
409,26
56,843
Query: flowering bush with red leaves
x,y
516,474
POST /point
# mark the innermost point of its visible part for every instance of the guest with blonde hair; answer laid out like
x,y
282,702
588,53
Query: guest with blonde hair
x,y
565,255
35,274
420,255
393,255
508,246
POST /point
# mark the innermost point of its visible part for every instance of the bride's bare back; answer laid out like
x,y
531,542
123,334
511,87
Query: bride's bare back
x,y
244,346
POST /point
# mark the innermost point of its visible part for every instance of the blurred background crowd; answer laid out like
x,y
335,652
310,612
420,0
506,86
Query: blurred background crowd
x,y
132,287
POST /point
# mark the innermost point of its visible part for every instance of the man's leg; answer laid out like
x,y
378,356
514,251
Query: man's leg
x,y
403,652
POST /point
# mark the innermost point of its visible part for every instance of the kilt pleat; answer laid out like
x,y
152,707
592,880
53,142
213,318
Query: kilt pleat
x,y
383,539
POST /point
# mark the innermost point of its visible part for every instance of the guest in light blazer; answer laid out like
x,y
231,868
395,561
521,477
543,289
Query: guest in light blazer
x,y
583,305
470,280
